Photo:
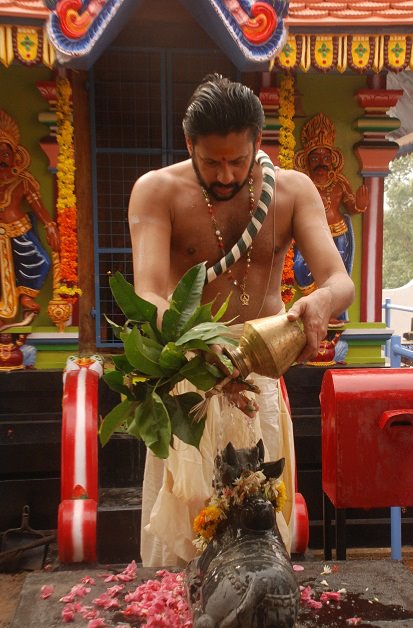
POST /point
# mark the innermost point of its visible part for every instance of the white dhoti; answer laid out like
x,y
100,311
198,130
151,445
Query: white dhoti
x,y
176,489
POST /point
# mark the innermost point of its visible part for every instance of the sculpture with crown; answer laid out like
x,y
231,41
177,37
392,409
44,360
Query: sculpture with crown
x,y
25,263
323,162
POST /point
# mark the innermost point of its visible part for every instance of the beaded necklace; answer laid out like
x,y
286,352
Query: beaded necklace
x,y
244,297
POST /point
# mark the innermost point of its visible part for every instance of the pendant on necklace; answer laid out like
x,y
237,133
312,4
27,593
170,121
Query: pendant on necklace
x,y
244,297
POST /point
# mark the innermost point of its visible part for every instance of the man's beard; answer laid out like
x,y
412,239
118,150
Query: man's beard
x,y
213,190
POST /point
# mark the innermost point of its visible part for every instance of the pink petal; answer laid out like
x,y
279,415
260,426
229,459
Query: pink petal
x,y
68,615
88,580
46,591
330,595
105,601
90,613
79,590
298,568
117,588
97,623
69,597
69,612
353,621
110,577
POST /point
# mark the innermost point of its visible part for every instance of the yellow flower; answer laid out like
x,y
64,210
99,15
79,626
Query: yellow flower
x,y
206,523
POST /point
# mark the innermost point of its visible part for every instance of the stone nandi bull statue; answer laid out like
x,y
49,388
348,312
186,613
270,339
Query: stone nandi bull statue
x,y
244,577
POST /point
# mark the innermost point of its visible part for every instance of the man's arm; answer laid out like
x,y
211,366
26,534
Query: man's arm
x,y
150,229
335,289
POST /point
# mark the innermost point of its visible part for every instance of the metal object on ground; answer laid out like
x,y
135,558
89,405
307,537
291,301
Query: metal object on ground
x,y
24,547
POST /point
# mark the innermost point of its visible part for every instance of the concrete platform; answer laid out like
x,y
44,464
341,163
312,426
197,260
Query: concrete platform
x,y
379,592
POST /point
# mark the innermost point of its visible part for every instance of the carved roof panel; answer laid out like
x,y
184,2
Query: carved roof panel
x,y
338,13
24,8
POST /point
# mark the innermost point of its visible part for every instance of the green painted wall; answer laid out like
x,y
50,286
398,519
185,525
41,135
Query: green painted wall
x,y
334,95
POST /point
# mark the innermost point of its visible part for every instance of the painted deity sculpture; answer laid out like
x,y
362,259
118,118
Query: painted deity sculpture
x,y
244,576
24,262
323,163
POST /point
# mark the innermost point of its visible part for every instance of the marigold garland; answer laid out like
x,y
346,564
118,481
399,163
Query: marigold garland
x,y
286,113
250,483
66,198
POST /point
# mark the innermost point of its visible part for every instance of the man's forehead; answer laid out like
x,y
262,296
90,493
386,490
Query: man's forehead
x,y
226,148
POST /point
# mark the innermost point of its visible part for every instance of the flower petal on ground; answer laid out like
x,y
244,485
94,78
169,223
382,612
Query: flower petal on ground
x,y
46,591
298,568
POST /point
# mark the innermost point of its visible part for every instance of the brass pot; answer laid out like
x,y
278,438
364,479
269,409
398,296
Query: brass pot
x,y
268,346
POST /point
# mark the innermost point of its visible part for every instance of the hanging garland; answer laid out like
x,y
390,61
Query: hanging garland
x,y
66,198
286,113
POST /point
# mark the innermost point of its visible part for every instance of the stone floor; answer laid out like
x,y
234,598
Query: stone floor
x,y
377,590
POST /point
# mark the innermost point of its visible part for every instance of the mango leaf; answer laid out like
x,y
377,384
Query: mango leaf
x,y
171,358
222,309
196,344
118,415
139,387
134,307
184,301
150,333
225,360
214,370
122,363
142,353
221,340
114,379
183,425
197,373
151,423
117,329
204,331
202,314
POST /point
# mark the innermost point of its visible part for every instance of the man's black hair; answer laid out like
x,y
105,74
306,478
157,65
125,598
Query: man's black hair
x,y
219,106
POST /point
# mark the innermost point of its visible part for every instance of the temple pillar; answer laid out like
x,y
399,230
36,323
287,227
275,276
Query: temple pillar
x,y
374,154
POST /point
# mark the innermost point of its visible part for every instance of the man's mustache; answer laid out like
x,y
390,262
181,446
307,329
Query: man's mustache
x,y
326,168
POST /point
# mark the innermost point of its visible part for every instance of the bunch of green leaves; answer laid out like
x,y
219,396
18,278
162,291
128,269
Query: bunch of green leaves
x,y
155,360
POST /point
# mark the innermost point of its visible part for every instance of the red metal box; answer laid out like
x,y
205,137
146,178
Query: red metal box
x,y
367,437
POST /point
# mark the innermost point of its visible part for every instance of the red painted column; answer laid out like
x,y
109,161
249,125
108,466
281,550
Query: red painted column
x,y
374,154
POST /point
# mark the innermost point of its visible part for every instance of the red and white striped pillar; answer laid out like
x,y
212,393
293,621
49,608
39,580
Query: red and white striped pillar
x,y
374,153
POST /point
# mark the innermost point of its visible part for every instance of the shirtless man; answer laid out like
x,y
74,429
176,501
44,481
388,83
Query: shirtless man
x,y
194,211
24,262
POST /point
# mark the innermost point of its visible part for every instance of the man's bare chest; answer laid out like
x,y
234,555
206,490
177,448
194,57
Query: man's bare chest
x,y
199,236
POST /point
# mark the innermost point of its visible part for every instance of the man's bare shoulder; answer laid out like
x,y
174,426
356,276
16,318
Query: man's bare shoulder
x,y
164,180
289,178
